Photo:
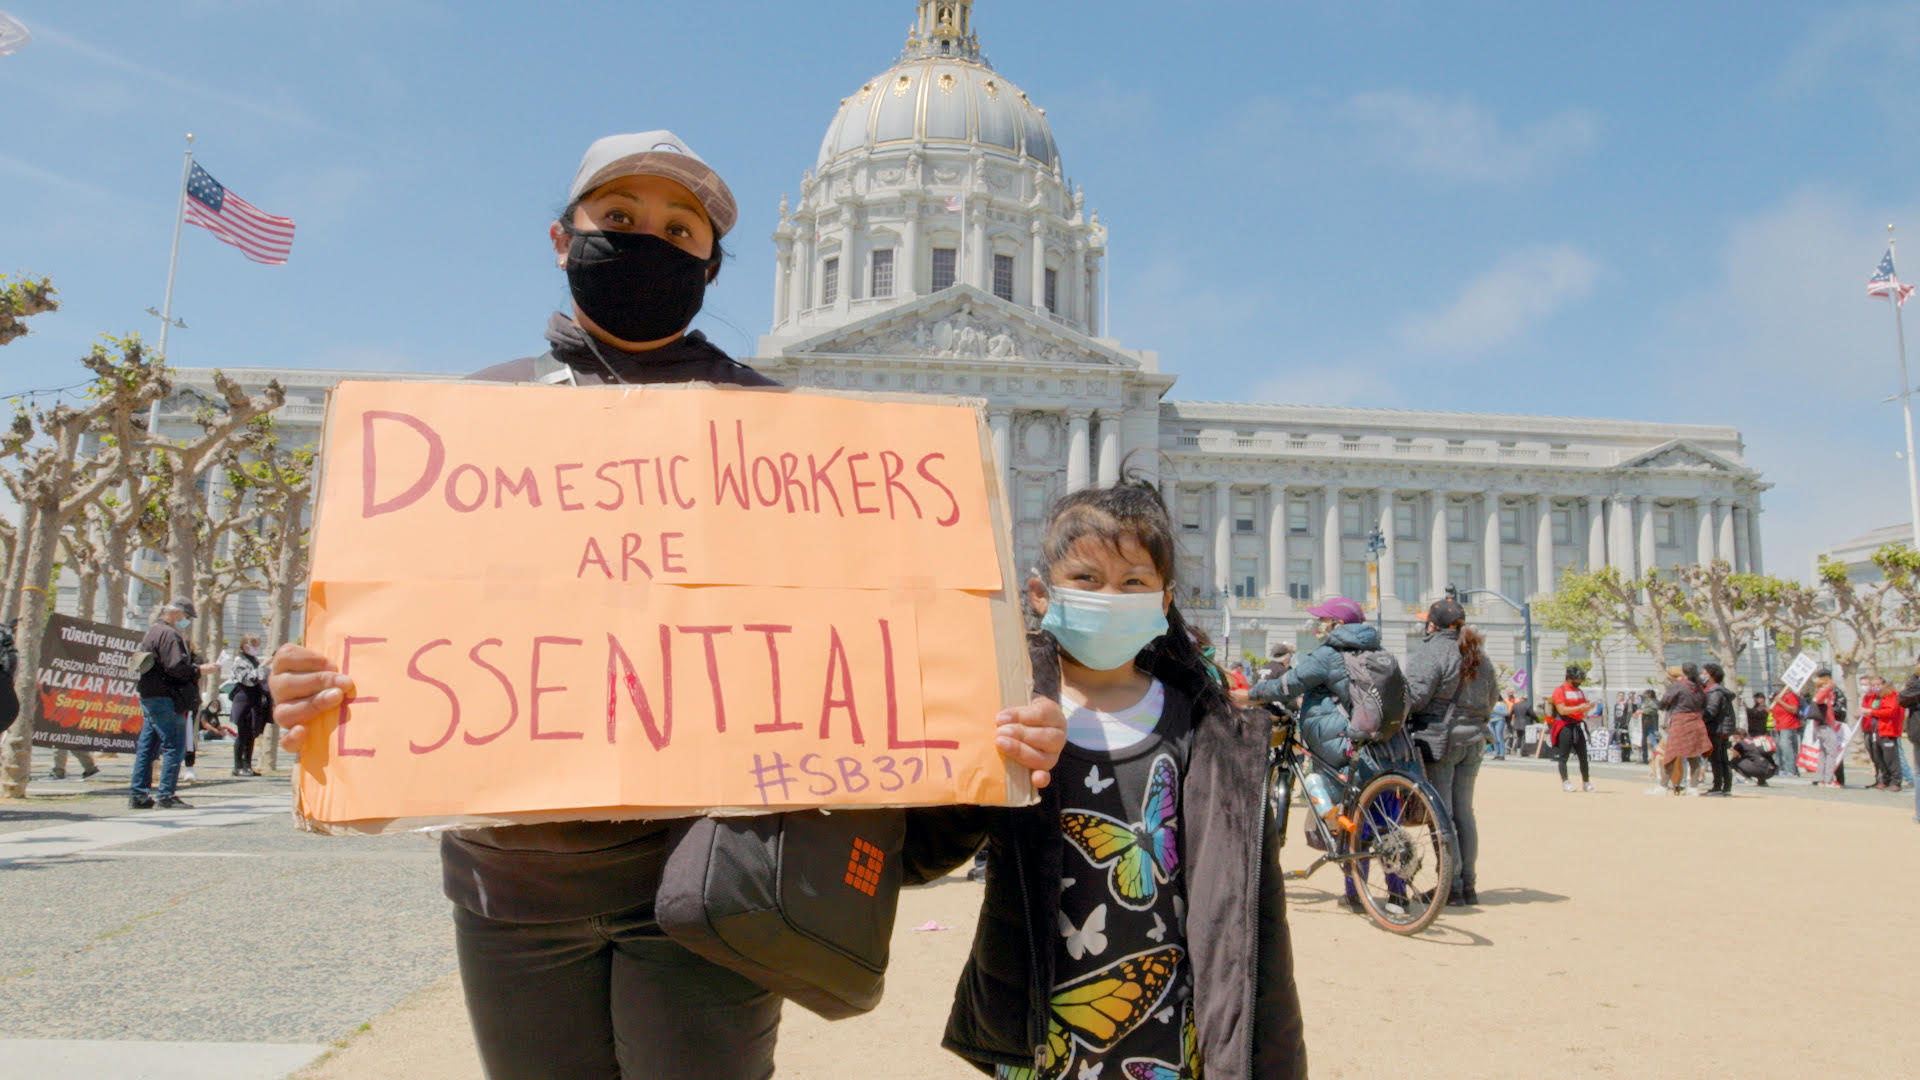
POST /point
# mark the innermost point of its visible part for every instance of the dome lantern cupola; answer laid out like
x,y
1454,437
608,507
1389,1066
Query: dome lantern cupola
x,y
944,32
937,172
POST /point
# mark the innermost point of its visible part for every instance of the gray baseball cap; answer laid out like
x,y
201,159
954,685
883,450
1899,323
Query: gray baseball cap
x,y
656,153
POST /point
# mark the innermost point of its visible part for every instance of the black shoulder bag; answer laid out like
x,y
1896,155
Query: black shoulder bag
x,y
802,903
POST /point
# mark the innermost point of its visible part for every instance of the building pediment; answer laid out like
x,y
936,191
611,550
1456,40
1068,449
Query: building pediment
x,y
962,323
1681,456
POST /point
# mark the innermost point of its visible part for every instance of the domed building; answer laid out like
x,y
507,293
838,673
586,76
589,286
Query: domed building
x,y
938,245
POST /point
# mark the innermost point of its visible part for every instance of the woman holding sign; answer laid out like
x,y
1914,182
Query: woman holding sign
x,y
565,970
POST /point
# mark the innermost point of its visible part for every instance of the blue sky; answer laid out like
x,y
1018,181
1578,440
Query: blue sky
x,y
1632,210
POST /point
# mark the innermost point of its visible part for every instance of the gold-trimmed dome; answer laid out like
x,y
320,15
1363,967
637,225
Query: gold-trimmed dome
x,y
941,92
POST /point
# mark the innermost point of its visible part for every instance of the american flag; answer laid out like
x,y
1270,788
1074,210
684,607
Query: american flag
x,y
1885,283
953,203
260,236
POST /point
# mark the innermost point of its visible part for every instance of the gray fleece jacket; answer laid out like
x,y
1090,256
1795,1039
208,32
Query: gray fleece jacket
x,y
1441,711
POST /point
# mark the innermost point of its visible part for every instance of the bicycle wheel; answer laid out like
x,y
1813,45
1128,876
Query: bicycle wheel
x,y
1404,850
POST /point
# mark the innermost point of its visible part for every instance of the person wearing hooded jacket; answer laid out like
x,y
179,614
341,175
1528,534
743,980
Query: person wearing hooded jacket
x,y
1319,679
1450,692
565,970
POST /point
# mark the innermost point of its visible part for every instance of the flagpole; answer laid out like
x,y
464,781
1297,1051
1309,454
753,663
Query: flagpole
x,y
1906,396
173,257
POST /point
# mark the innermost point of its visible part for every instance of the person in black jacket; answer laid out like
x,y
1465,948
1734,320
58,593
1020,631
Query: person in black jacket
x,y
169,693
1722,709
250,703
565,969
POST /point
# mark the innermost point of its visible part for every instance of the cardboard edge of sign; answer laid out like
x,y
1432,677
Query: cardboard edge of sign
x,y
1015,673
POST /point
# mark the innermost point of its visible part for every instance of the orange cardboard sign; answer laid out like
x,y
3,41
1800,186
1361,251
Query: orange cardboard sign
x,y
562,602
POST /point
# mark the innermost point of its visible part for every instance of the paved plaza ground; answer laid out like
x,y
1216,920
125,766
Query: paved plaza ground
x,y
1619,935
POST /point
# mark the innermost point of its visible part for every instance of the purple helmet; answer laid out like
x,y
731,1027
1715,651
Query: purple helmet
x,y
1339,608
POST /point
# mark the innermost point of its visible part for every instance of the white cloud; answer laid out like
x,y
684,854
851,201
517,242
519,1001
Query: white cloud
x,y
1458,140
1518,292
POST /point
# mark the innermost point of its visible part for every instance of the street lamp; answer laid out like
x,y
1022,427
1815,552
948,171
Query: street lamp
x,y
1526,619
1377,543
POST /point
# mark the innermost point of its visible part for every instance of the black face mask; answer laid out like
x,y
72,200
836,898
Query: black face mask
x,y
635,286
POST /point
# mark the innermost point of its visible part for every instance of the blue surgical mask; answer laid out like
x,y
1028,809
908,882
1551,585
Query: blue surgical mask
x,y
1103,630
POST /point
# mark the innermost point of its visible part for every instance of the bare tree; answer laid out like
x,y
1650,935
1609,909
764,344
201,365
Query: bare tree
x,y
21,299
56,480
1644,607
1864,618
281,484
187,461
1719,604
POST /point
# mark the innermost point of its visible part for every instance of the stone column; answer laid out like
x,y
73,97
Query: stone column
x,y
1330,546
1490,543
1649,553
782,273
1076,284
1437,545
982,259
1387,573
1276,540
1620,535
803,270
1109,463
1037,279
1703,531
855,283
1078,449
1000,422
1755,564
906,265
1729,547
1543,545
1093,298
1742,519
1222,534
1596,533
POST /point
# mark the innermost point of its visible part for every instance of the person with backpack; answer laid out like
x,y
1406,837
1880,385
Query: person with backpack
x,y
1450,694
1569,732
1333,710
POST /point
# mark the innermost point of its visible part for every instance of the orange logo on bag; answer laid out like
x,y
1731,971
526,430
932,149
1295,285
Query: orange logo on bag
x,y
863,866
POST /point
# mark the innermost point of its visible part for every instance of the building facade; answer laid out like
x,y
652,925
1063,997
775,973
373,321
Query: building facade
x,y
938,246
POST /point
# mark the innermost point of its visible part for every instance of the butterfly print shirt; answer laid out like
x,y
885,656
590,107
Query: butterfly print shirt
x,y
1123,989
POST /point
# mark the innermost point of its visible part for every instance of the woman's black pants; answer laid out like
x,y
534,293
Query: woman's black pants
x,y
608,998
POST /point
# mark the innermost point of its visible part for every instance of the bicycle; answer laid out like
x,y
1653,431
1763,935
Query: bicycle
x,y
1386,829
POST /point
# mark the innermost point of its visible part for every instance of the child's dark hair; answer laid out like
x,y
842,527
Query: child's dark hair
x,y
1132,510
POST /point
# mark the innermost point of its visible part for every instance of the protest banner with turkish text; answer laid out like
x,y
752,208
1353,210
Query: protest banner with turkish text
x,y
88,698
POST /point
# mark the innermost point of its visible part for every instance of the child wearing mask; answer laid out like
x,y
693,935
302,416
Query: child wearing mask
x,y
1121,912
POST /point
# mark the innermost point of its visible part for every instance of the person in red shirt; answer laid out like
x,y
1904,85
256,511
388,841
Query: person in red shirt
x,y
1829,712
1786,730
1881,718
1569,731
